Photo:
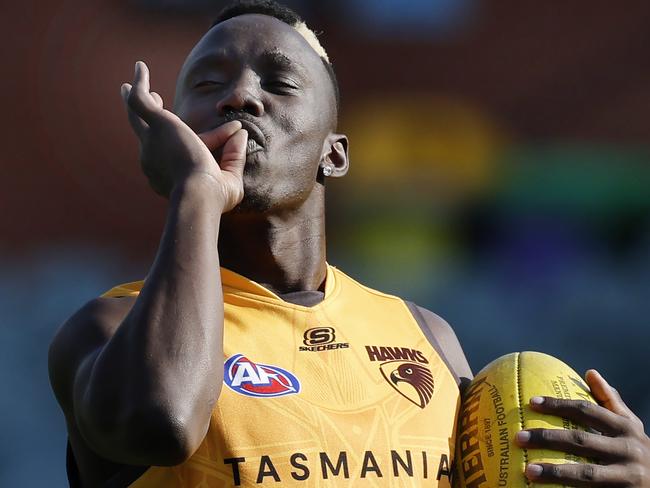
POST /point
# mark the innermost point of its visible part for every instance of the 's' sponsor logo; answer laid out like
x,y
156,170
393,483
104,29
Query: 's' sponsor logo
x,y
321,339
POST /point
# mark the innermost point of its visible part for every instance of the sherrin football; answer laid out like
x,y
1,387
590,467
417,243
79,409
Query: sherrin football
x,y
496,406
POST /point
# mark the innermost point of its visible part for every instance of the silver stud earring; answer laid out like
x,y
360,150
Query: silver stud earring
x,y
328,169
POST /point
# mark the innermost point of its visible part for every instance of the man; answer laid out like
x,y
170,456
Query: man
x,y
325,381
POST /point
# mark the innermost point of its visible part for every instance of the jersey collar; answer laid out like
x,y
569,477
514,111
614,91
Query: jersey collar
x,y
237,284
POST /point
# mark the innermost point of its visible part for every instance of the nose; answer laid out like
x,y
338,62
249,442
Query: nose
x,y
242,96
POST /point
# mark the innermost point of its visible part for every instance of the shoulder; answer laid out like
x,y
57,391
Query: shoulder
x,y
439,333
352,285
444,340
87,330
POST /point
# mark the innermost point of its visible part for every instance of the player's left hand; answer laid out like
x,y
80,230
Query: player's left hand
x,y
622,451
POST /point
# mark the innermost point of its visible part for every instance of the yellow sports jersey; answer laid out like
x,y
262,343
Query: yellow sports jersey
x,y
346,393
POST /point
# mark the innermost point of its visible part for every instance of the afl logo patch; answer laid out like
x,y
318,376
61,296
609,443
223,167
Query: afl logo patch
x,y
245,377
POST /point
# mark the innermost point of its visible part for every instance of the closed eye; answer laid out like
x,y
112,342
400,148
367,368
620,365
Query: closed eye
x,y
206,83
279,86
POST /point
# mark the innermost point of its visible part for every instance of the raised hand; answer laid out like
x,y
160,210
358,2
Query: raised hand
x,y
171,153
622,451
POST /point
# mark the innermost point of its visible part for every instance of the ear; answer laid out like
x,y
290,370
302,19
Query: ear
x,y
335,153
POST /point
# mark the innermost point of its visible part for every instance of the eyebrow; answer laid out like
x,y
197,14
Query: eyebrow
x,y
277,59
272,59
218,58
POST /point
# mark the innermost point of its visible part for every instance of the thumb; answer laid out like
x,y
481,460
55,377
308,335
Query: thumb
x,y
216,138
606,394
233,156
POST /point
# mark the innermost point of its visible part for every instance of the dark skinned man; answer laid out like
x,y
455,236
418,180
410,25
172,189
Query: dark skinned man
x,y
325,381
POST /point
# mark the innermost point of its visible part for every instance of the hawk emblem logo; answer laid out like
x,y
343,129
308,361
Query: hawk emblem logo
x,y
411,380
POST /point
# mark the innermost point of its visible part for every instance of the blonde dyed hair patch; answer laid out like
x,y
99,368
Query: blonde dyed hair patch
x,y
312,40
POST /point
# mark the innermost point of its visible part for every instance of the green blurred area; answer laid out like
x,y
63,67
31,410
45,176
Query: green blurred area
x,y
588,180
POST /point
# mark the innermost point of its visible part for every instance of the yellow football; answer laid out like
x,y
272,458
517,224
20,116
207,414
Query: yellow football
x,y
496,406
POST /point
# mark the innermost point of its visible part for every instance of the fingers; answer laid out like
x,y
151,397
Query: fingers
x,y
233,157
582,412
139,99
216,138
578,474
141,76
158,99
607,395
141,104
136,122
625,453
576,442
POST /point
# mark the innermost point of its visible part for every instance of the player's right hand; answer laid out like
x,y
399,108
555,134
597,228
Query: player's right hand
x,y
171,153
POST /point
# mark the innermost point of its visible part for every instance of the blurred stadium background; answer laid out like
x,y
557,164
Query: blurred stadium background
x,y
500,177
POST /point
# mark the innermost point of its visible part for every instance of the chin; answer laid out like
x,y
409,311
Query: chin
x,y
254,202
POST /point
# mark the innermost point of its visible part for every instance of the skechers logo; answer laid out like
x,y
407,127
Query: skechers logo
x,y
245,377
321,339
319,335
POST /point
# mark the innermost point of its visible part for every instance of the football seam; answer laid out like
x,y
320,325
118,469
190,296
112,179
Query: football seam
x,y
521,408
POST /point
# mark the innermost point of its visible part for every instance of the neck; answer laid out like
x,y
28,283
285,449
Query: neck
x,y
283,251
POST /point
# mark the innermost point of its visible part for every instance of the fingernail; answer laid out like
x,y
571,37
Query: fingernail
x,y
534,469
523,436
234,124
536,400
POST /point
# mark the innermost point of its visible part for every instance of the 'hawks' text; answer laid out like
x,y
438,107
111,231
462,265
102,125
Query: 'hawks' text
x,y
387,353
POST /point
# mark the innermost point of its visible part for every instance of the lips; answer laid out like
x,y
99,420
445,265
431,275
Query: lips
x,y
252,146
256,139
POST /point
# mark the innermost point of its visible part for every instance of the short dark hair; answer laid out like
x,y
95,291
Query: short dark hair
x,y
280,12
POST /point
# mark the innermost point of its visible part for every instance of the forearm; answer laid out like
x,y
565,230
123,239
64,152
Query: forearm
x,y
165,362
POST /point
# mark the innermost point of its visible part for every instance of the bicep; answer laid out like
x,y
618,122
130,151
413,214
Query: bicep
x,y
78,342
99,401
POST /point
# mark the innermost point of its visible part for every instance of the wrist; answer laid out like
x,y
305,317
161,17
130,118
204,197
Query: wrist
x,y
203,188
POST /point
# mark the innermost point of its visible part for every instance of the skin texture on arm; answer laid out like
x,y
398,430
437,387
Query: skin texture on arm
x,y
139,378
